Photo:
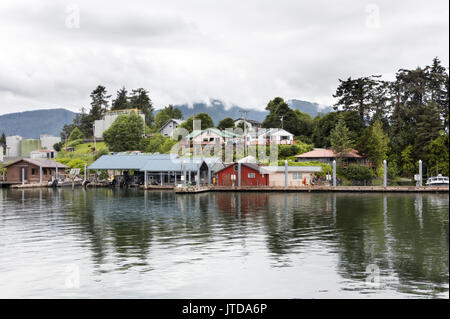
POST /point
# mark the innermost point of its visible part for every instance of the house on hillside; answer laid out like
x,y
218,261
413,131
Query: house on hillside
x,y
27,170
328,156
270,136
213,136
168,129
43,154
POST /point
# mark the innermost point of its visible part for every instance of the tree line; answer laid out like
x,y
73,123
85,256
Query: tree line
x,y
402,120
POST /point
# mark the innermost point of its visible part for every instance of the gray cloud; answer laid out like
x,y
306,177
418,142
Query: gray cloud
x,y
242,52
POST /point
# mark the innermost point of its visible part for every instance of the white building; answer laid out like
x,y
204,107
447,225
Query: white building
x,y
101,126
47,141
270,136
13,146
43,154
1,154
169,128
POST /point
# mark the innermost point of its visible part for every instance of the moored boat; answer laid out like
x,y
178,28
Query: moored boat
x,y
437,181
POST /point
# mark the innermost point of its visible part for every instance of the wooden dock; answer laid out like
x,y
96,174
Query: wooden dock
x,y
158,187
338,189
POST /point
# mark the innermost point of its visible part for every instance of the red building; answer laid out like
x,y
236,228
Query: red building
x,y
250,176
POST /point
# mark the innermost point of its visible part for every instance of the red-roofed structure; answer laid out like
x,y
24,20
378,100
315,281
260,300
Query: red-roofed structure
x,y
328,156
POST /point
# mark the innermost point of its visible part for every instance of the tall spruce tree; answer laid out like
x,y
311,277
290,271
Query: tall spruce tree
x,y
140,99
121,102
341,142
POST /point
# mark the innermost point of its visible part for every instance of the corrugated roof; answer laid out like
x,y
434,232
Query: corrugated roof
x,y
126,162
151,163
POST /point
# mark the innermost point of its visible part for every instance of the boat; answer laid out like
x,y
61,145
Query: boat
x,y
437,181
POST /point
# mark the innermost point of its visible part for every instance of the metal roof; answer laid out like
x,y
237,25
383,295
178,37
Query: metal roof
x,y
151,163
126,162
178,164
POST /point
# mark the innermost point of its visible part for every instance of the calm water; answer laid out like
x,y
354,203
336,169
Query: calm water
x,y
134,244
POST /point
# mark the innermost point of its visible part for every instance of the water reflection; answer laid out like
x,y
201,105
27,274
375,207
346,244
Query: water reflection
x,y
406,236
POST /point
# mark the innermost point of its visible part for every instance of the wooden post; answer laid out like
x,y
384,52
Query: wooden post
x,y
145,179
334,173
209,176
384,173
40,174
198,175
286,174
239,174
420,173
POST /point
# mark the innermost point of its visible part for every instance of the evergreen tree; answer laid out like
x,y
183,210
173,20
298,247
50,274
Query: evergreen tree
x,y
359,95
3,141
374,143
122,101
281,116
99,103
340,139
140,99
76,134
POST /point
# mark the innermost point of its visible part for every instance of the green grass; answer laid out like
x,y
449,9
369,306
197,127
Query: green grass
x,y
83,152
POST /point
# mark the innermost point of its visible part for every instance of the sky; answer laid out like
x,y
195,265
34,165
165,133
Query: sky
x,y
243,52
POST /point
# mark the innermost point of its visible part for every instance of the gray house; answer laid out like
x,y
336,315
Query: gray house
x,y
168,129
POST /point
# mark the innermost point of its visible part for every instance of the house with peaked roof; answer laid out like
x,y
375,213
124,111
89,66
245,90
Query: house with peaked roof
x,y
168,129
213,136
270,136
328,156
27,170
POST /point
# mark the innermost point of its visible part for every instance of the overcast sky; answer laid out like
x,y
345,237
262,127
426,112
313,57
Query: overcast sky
x,y
54,53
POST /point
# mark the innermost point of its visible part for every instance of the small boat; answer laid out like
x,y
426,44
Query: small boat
x,y
437,181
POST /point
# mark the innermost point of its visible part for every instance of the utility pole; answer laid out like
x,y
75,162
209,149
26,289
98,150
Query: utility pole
x,y
244,116
95,142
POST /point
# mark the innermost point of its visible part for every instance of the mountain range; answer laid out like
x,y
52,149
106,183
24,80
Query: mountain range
x,y
218,111
32,124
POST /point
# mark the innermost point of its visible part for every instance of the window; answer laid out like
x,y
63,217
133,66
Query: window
x,y
251,175
233,177
297,176
211,139
236,168
33,171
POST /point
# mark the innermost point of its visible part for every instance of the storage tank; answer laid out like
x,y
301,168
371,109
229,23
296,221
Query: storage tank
x,y
27,146
47,141
13,146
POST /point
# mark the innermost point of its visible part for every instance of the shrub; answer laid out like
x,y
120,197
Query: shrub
x,y
358,173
